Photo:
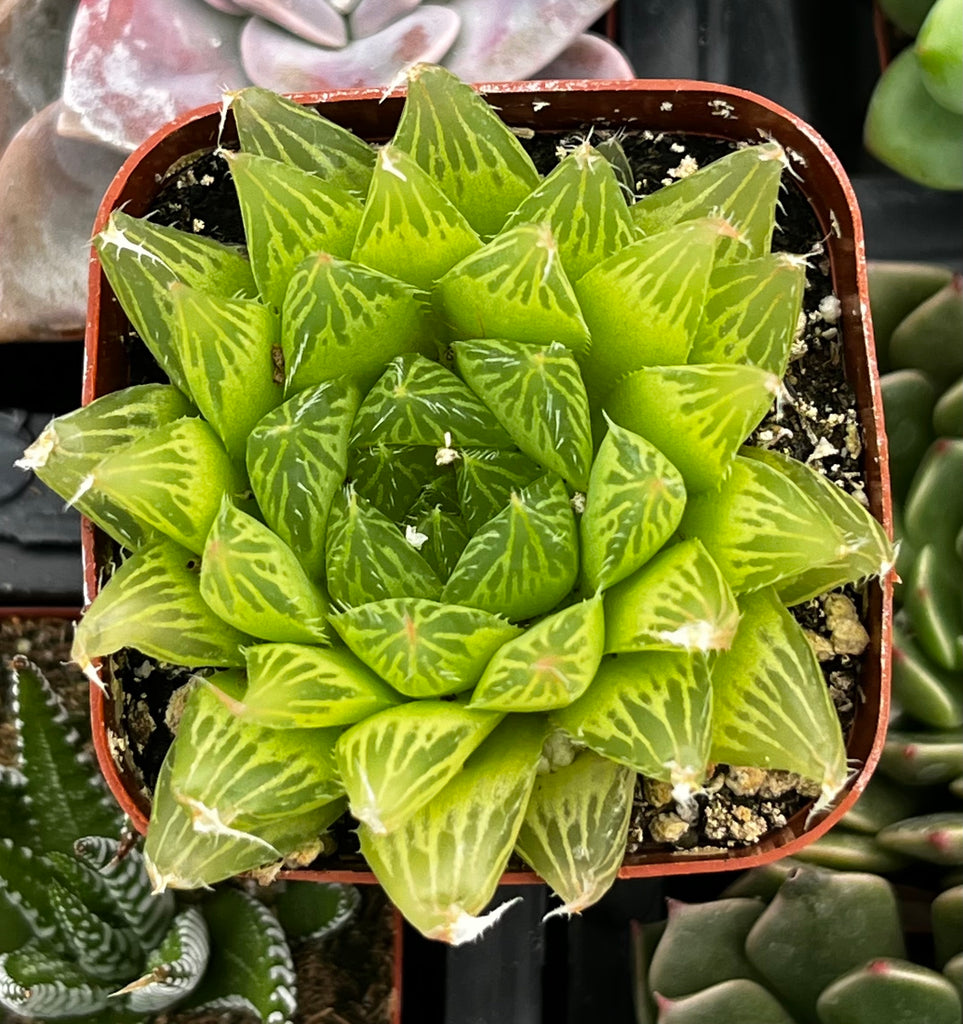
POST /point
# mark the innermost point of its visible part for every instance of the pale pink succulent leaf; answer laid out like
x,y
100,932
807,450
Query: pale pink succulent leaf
x,y
588,56
371,16
315,21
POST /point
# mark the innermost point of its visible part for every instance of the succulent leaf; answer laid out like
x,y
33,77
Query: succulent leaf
x,y
934,601
740,999
21,872
524,561
548,666
486,480
35,983
478,815
392,477
394,762
252,580
424,648
447,536
575,828
536,393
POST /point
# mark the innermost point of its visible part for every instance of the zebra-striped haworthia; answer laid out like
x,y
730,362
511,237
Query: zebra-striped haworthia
x,y
771,706
457,138
410,229
424,648
299,686
537,394
635,500
253,580
575,828
550,665
395,761
697,416
678,600
476,817
651,712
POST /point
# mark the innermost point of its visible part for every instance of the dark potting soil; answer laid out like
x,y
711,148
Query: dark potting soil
x,y
813,421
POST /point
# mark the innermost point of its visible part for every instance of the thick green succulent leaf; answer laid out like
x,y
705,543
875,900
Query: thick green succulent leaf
x,y
922,758
751,313
650,712
576,826
524,561
740,999
273,126
251,579
142,260
23,876
537,394
936,837
865,549
934,602
392,477
61,802
486,480
697,416
933,513
760,528
771,708
927,338
442,866
14,929
153,602
250,964
370,559
289,214
225,347
296,686
447,536
38,984
341,319
457,138
174,968
315,910
515,288
297,456
679,599
643,304
423,648
172,478
70,446
741,187
582,202
410,229
634,502
418,401
394,762
12,784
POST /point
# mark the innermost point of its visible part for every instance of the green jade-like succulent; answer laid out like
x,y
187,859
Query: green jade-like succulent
x,y
449,486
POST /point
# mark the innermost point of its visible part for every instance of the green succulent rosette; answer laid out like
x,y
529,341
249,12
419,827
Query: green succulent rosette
x,y
490,535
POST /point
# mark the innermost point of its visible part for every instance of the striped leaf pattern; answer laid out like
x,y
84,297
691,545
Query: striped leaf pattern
x,y
679,599
417,401
370,559
536,393
251,579
394,762
225,349
297,456
101,951
515,288
392,477
289,214
410,229
575,828
525,560
296,686
550,665
759,527
153,602
751,313
462,143
21,874
651,712
742,187
643,304
343,320
142,260
476,817
71,445
635,501
273,126
771,707
447,537
486,479
172,478
582,202
35,983
424,648
697,416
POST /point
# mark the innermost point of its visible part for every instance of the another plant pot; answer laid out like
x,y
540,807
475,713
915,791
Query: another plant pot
x,y
664,106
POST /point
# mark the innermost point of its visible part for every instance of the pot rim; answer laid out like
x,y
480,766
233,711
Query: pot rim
x,y
846,245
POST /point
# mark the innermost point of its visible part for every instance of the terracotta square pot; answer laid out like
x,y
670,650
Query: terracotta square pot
x,y
660,106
